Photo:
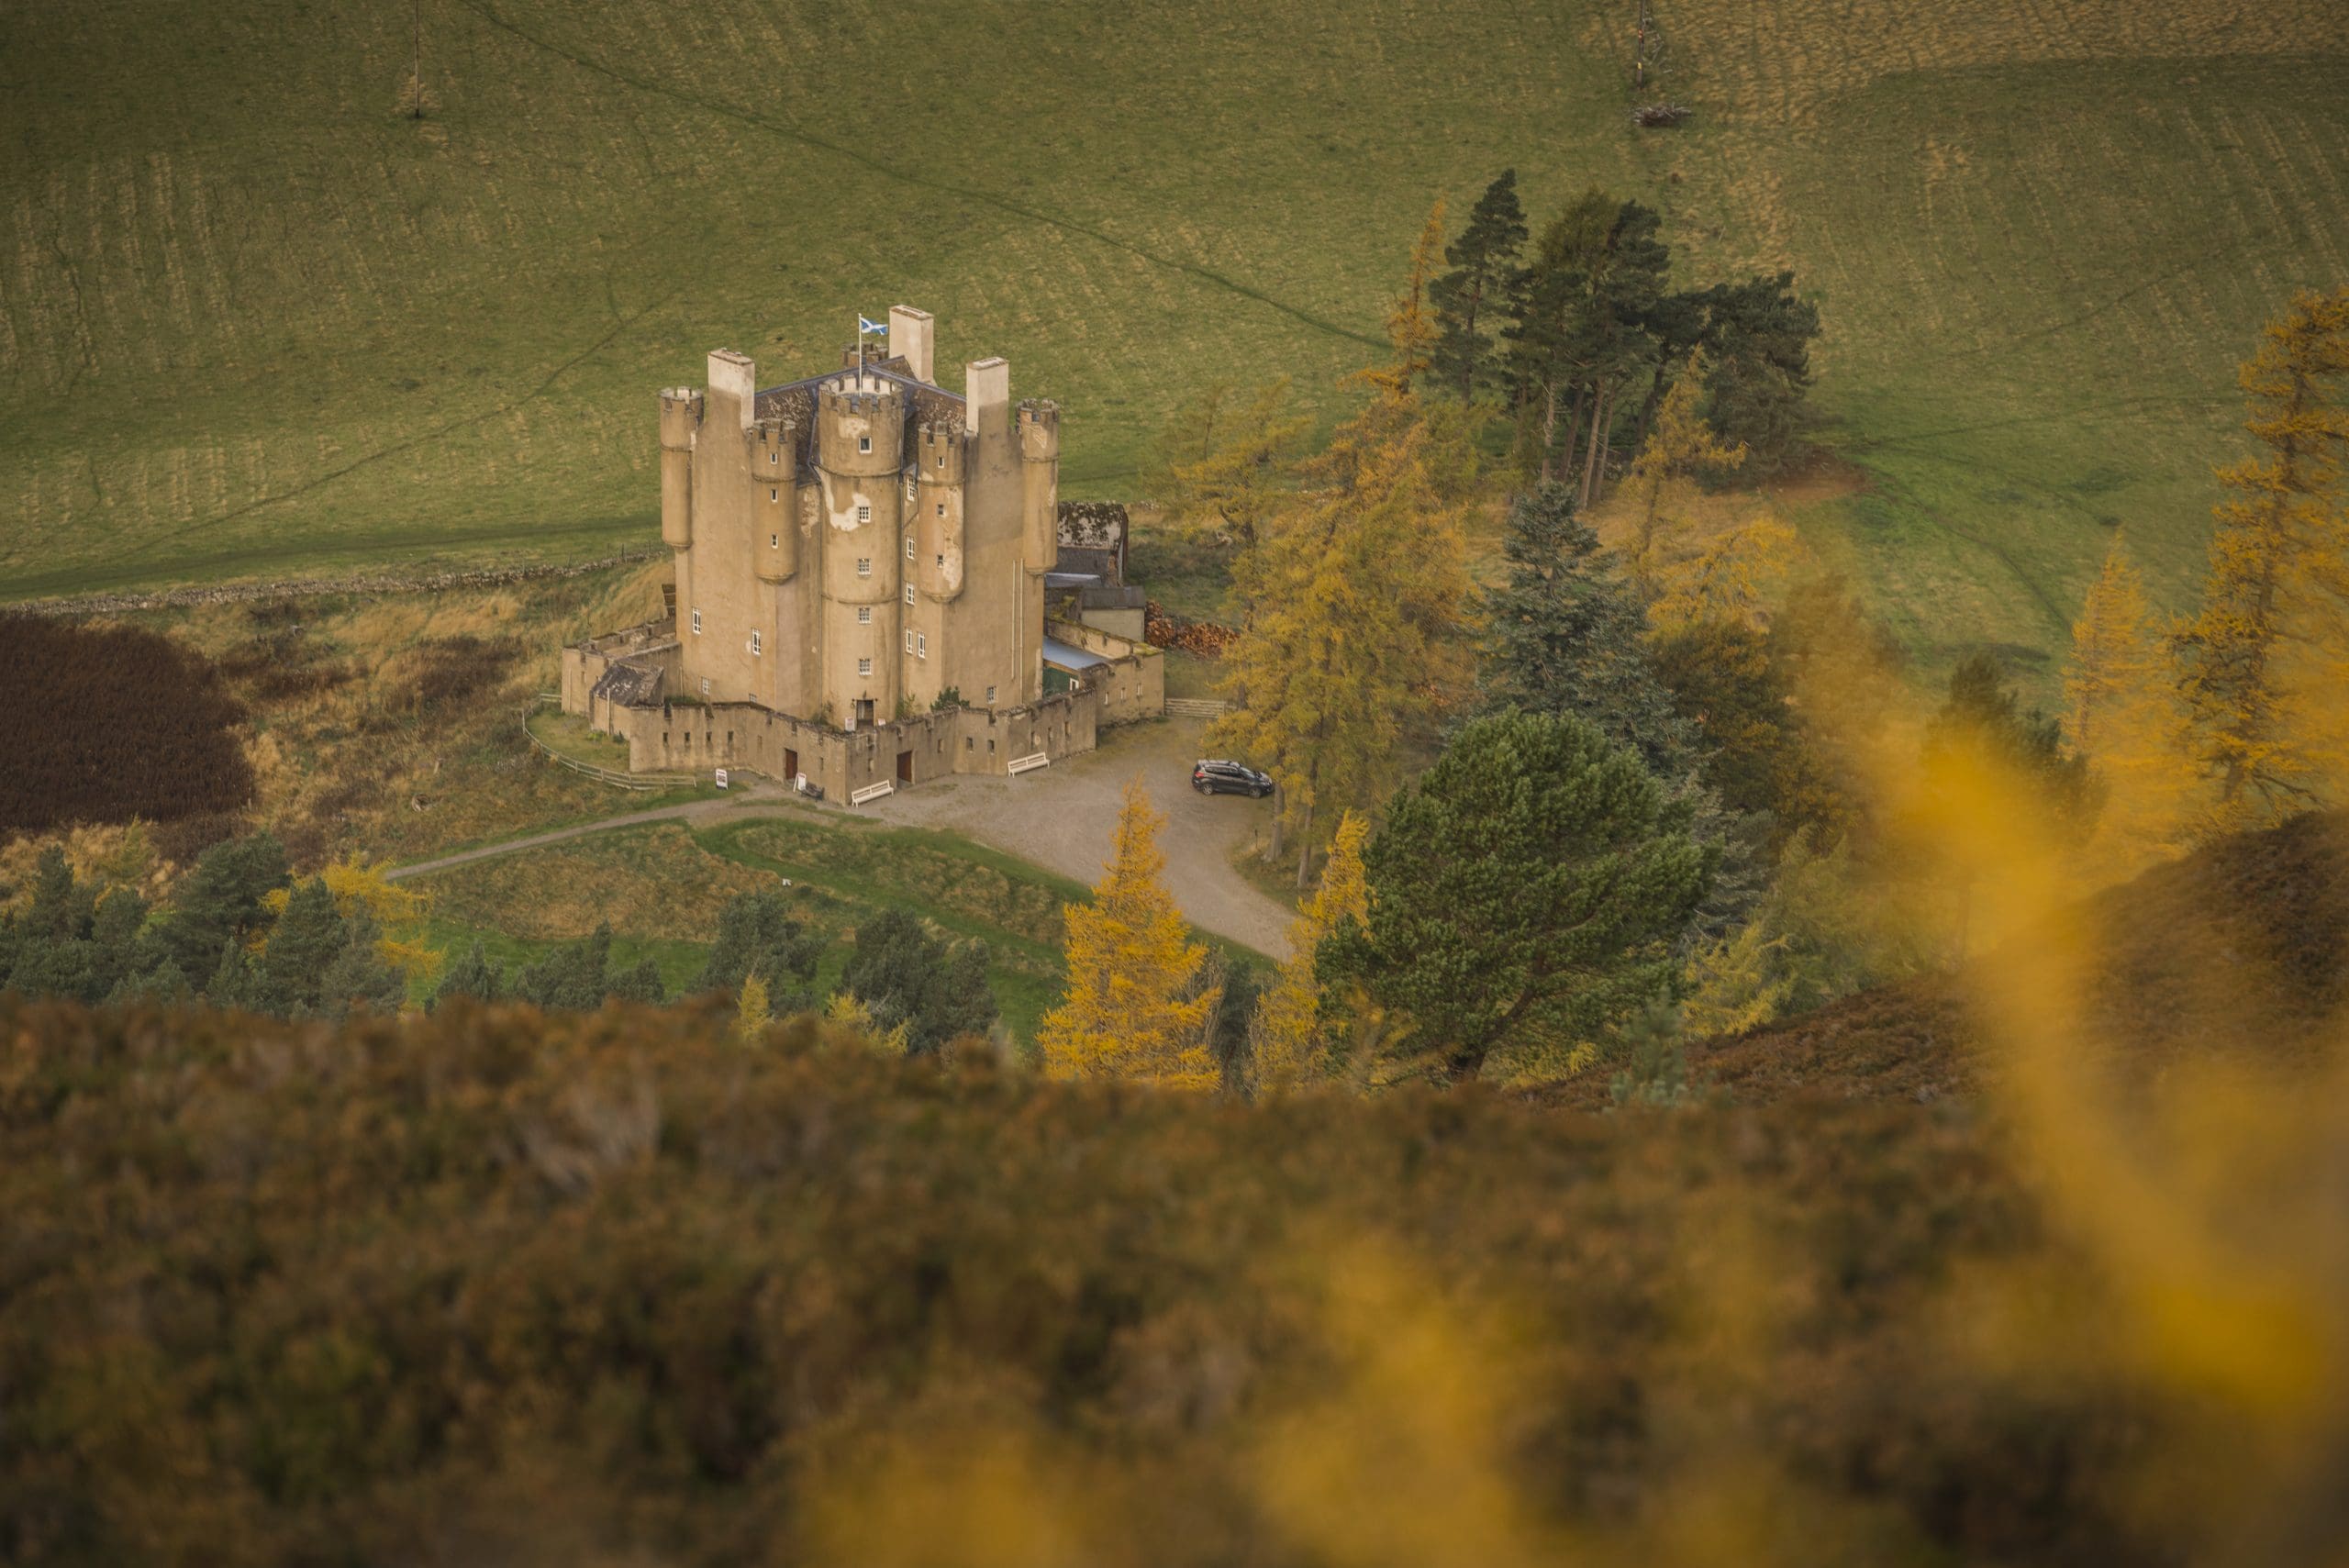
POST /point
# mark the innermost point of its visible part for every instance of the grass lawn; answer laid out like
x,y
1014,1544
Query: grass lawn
x,y
259,322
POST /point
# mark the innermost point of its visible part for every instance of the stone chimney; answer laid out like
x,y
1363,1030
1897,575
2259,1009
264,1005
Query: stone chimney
x,y
733,389
986,395
910,335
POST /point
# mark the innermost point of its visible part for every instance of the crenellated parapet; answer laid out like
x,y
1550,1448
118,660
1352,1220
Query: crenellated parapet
x,y
1039,475
681,416
860,426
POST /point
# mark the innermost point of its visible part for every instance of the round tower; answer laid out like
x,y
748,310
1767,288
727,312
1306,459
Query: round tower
x,y
939,461
860,452
1039,475
681,411
775,480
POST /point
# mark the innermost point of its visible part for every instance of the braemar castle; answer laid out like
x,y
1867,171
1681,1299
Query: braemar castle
x,y
863,565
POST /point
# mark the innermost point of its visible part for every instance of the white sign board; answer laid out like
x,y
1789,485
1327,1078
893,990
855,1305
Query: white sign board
x,y
800,784
721,778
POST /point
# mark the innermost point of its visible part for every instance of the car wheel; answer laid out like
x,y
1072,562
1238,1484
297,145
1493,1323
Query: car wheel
x,y
1202,789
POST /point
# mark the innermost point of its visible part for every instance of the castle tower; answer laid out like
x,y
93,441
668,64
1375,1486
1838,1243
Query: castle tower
x,y
859,453
681,411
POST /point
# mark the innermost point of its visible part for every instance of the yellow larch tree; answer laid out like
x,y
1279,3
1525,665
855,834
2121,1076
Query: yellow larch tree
x,y
1132,1008
1290,1039
2263,662
2123,713
1412,324
1679,445
399,912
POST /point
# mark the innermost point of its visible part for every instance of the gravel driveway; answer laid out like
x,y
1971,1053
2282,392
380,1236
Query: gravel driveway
x,y
1060,816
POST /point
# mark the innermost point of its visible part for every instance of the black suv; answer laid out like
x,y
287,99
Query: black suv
x,y
1210,777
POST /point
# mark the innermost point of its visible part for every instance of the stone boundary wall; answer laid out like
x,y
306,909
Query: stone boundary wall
x,y
320,587
683,737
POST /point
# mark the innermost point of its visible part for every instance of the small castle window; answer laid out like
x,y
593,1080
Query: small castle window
x,y
990,696
864,443
776,456
969,744
941,563
909,547
865,666
910,643
921,645
910,593
705,691
942,460
774,541
757,647
864,511
865,614
697,623
941,508
864,569
773,493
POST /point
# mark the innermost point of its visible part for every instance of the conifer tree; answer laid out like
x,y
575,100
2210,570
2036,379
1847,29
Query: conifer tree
x,y
1525,896
1290,1043
1130,1010
360,976
757,934
309,934
910,978
750,1009
473,975
1471,297
1679,445
1564,638
2265,660
2124,716
1412,324
221,904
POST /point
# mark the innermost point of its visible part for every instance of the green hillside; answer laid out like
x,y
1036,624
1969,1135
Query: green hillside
x,y
254,320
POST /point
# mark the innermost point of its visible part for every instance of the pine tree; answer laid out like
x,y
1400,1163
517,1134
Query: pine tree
x,y
1525,896
1290,1044
1564,638
221,904
757,934
1471,296
1128,1012
360,976
908,977
309,934
2125,717
471,976
2264,660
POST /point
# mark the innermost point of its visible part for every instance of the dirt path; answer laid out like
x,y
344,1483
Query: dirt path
x,y
1058,816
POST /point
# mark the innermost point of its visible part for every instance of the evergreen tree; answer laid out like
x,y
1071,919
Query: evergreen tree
x,y
221,904
641,982
473,977
309,936
1290,1043
573,977
1679,446
1525,895
118,934
1470,297
1724,682
906,975
1757,336
1981,715
1561,637
237,984
359,976
1130,1010
2266,659
758,935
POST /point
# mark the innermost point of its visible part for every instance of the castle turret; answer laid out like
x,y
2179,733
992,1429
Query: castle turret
x,y
1039,484
860,452
681,412
774,481
938,508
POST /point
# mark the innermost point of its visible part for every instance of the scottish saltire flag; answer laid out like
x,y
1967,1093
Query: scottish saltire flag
x,y
865,326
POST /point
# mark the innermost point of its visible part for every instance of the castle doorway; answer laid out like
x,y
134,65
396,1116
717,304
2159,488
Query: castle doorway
x,y
904,767
790,764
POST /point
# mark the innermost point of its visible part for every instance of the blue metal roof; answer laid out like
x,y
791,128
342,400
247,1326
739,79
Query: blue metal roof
x,y
1068,658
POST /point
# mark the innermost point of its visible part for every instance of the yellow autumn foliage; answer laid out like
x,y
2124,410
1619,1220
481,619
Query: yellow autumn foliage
x,y
1291,1043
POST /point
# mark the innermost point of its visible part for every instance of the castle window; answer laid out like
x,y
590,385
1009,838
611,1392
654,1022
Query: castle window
x,y
705,691
864,569
921,645
865,666
773,493
757,646
941,508
865,614
776,456
774,541
910,643
910,593
864,511
942,460
941,563
990,696
697,623
909,547
864,443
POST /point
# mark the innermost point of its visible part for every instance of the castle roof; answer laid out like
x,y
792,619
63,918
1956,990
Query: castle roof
x,y
796,401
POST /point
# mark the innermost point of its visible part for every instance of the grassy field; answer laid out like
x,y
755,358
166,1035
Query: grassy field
x,y
254,320
661,887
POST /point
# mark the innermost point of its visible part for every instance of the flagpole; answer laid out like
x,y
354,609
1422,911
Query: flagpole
x,y
860,348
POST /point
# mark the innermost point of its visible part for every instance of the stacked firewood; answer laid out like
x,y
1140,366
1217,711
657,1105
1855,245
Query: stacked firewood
x,y
1203,637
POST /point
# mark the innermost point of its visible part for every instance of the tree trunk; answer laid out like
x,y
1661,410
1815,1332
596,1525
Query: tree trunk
x,y
1574,437
1605,447
1550,424
1279,804
1597,425
1304,847
1657,386
1469,353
